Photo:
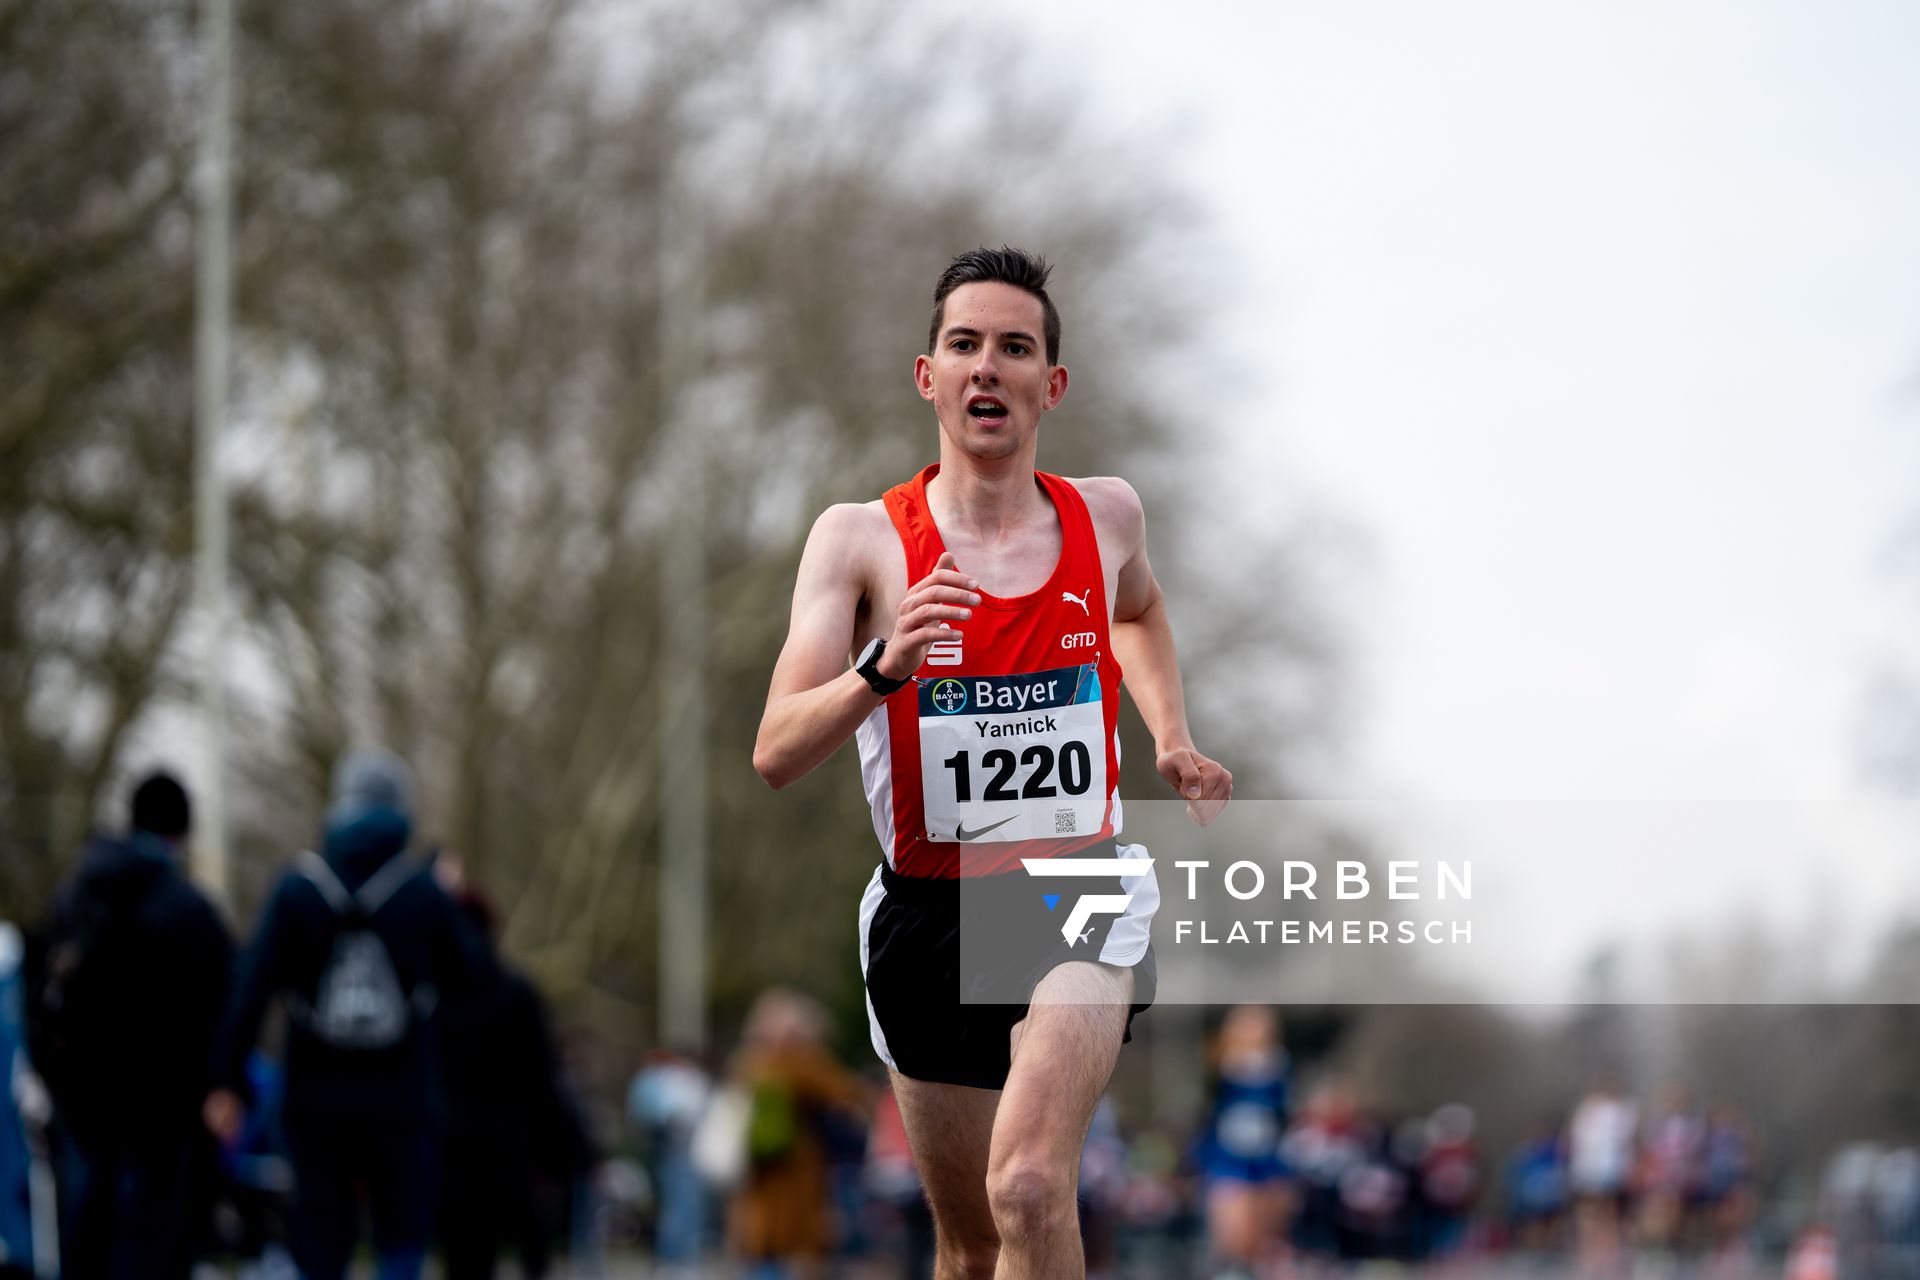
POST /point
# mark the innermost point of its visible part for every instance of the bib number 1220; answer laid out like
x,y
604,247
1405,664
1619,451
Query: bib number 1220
x,y
1076,772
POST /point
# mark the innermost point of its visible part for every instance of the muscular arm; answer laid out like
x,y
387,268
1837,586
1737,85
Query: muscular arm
x,y
1143,644
816,701
1142,636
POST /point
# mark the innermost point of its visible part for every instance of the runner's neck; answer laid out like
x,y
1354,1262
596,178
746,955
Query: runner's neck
x,y
985,503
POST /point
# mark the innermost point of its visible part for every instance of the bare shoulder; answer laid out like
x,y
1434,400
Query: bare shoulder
x,y
1114,506
847,540
848,529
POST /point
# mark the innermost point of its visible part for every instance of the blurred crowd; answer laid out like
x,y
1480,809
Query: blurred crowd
x,y
411,1098
1274,1181
414,1102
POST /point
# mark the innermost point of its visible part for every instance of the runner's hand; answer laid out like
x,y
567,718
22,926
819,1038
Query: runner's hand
x,y
1204,784
942,596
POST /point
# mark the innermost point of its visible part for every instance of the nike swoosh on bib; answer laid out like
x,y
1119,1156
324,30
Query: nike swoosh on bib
x,y
961,833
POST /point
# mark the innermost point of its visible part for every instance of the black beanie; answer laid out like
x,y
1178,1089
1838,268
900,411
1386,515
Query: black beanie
x,y
160,806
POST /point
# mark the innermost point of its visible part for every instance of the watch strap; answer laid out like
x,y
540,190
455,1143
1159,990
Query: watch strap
x,y
870,672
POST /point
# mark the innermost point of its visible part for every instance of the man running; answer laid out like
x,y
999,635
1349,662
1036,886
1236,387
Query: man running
x,y
988,610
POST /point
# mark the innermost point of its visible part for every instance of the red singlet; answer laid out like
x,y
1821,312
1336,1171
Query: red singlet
x,y
1005,743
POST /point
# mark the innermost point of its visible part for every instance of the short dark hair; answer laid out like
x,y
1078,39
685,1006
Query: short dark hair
x,y
1005,265
160,806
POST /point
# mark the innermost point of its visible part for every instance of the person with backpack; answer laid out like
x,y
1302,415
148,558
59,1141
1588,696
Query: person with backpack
x,y
360,941
125,993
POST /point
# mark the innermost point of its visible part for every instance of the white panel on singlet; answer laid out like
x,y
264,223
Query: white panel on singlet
x,y
876,775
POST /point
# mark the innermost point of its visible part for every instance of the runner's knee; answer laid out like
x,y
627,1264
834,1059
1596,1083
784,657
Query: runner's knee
x,y
969,1246
973,1258
1030,1200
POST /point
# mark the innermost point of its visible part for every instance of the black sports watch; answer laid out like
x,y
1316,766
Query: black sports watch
x,y
869,668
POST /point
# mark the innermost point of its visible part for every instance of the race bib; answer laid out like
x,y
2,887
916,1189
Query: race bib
x,y
1020,757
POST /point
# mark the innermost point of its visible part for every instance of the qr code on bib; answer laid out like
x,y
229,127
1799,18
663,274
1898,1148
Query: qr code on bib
x,y
1064,822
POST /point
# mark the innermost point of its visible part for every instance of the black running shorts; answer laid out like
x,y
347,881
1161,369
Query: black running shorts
x,y
910,949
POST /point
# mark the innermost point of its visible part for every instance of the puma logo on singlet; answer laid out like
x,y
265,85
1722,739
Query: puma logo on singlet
x,y
1080,599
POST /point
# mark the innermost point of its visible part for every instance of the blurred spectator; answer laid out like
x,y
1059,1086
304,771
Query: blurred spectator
x,y
1599,1163
1724,1191
1103,1188
20,1149
1870,1202
1668,1166
1815,1255
1376,1199
1328,1144
359,940
780,1219
1846,1193
1896,1196
1536,1189
1245,1180
664,1105
892,1181
259,1177
125,1000
843,1133
1449,1181
505,1116
1152,1187
583,1194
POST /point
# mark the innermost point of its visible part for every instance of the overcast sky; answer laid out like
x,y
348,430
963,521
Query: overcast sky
x,y
1603,320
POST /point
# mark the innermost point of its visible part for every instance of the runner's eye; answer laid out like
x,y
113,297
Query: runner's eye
x,y
1016,348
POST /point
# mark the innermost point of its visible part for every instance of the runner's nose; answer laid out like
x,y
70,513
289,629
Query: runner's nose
x,y
984,372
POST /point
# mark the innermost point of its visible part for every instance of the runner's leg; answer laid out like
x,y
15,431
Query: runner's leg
x,y
948,1128
1063,1054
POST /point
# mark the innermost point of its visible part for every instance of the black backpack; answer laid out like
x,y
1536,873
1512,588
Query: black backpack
x,y
360,1003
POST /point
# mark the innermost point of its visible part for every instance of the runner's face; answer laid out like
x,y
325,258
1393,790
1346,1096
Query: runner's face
x,y
988,376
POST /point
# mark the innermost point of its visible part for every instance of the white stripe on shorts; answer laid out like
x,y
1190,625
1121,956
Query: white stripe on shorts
x,y
1127,940
869,904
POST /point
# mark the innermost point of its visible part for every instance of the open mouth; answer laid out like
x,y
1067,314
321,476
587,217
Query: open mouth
x,y
986,409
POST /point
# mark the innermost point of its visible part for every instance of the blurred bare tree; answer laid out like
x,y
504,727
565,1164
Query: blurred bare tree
x,y
95,407
507,272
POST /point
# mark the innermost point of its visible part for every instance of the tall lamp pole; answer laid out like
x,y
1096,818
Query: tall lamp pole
x,y
683,689
213,305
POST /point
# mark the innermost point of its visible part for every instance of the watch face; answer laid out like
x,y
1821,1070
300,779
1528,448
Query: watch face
x,y
868,654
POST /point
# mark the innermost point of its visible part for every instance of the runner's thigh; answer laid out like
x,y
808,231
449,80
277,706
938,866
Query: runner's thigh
x,y
1063,1055
949,1127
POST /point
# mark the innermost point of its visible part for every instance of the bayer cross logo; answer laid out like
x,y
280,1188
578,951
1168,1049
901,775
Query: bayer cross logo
x,y
1088,905
949,696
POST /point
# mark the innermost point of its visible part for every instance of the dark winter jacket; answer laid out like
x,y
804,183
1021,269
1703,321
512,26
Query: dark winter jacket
x,y
502,1073
431,954
145,967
